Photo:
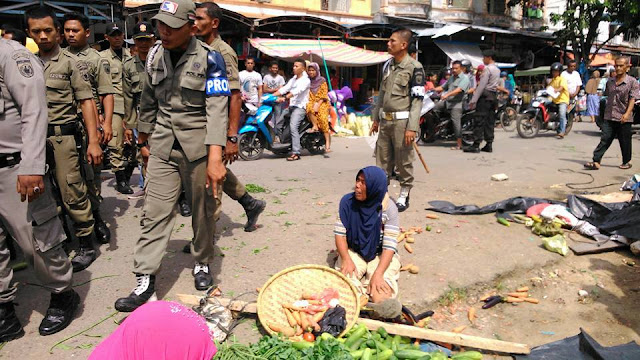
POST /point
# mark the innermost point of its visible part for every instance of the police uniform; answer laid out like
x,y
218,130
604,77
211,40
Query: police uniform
x,y
397,111
116,145
132,84
34,225
68,81
232,185
185,106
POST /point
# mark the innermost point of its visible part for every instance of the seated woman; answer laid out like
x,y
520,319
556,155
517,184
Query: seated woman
x,y
366,233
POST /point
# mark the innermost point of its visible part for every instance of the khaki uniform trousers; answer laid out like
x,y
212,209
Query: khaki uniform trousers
x,y
391,151
94,184
116,145
233,188
165,182
365,270
73,187
38,231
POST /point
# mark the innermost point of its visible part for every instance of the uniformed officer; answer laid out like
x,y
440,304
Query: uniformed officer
x,y
76,32
184,103
68,87
485,102
397,113
116,55
34,224
208,17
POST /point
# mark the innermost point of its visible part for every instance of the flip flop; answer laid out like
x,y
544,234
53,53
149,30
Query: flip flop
x,y
592,166
293,157
625,166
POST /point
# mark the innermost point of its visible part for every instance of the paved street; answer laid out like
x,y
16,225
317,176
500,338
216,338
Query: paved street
x,y
296,228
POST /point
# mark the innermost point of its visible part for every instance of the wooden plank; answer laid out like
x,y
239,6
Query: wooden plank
x,y
237,305
447,337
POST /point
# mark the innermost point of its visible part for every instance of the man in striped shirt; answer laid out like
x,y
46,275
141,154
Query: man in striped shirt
x,y
366,234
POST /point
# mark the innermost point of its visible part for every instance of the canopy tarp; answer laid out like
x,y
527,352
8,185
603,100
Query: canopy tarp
x,y
542,70
335,52
460,50
601,59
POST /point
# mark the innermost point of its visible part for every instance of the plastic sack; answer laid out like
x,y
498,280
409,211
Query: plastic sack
x,y
333,322
557,244
218,317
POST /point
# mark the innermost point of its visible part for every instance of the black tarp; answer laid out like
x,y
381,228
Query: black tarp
x,y
512,205
582,347
621,218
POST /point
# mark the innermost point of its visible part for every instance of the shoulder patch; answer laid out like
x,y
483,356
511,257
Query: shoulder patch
x,y
83,67
106,66
21,54
150,56
217,83
417,83
25,67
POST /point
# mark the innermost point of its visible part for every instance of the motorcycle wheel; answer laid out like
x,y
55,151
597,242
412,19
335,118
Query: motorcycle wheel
x,y
528,126
251,146
316,143
508,119
570,119
427,130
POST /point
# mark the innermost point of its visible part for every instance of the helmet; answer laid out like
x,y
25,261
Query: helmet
x,y
556,66
503,73
466,63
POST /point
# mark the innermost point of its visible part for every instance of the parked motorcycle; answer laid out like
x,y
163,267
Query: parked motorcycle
x,y
542,114
257,134
508,112
438,125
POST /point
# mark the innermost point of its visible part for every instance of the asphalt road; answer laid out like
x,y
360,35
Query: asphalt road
x,y
297,226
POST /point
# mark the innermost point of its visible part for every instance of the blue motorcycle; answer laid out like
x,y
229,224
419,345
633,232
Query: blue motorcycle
x,y
257,134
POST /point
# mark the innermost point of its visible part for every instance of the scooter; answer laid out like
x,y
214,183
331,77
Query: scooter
x,y
436,125
508,112
542,114
257,134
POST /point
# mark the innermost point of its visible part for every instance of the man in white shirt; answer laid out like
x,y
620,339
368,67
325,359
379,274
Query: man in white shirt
x,y
573,79
251,83
271,83
297,91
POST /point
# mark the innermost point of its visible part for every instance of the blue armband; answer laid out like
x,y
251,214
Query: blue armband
x,y
217,82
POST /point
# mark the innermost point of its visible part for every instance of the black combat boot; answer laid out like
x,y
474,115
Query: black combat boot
x,y
10,327
488,148
145,291
122,183
85,255
202,277
403,200
475,148
253,207
61,310
103,234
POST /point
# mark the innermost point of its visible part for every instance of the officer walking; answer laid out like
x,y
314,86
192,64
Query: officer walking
x,y
185,104
76,32
397,113
485,102
116,55
208,17
68,88
33,223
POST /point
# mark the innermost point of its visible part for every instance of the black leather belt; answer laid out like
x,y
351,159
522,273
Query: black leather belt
x,y
7,160
65,130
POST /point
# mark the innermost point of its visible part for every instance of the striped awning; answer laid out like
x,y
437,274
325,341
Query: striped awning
x,y
336,53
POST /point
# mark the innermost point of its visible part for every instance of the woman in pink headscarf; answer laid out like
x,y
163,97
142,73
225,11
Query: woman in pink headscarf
x,y
158,330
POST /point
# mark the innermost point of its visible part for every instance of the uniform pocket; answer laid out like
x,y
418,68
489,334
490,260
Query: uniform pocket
x,y
77,190
401,84
193,91
47,228
62,90
136,86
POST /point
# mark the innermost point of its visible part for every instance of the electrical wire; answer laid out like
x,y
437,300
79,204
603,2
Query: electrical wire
x,y
573,186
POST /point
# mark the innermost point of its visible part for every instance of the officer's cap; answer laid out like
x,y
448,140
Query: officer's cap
x,y
142,30
176,13
113,29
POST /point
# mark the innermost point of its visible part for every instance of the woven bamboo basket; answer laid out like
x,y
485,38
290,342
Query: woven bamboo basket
x,y
288,285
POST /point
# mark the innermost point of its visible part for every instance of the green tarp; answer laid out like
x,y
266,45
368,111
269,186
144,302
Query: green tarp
x,y
542,70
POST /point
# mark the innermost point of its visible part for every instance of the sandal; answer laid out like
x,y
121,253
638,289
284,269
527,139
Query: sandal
x,y
455,148
592,166
560,136
625,166
293,157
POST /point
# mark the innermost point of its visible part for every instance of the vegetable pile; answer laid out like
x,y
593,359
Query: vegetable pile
x,y
303,315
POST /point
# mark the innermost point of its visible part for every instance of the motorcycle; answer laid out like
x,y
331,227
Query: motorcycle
x,y
438,125
542,114
257,134
508,112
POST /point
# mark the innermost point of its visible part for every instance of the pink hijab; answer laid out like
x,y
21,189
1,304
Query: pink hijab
x,y
158,330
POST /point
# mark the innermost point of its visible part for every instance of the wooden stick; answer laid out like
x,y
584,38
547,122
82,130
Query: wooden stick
x,y
236,305
448,337
415,147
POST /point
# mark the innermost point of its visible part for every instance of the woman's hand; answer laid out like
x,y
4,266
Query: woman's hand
x,y
348,267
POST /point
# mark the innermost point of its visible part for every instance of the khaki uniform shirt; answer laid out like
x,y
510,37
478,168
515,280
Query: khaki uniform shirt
x,y
67,81
116,77
99,75
23,107
133,77
175,107
230,60
402,89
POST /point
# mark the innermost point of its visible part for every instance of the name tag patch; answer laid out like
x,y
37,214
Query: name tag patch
x,y
217,86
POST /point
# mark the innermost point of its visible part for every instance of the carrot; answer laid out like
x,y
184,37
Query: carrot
x,y
410,240
531,300
296,316
304,321
401,237
318,316
286,331
485,297
296,308
308,296
290,318
472,315
298,330
406,267
511,299
315,302
432,216
522,289
408,248
519,294
459,329
312,323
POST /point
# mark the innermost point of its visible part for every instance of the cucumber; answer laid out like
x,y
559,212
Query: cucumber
x,y
366,355
503,221
357,334
410,354
301,345
356,345
385,355
383,332
467,355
